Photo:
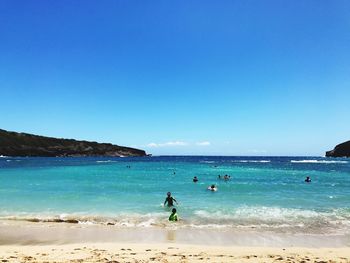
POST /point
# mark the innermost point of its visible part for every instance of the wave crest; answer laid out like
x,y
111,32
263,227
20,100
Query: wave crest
x,y
317,161
247,217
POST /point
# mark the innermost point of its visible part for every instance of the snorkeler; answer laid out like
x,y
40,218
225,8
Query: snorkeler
x,y
308,179
169,199
173,216
195,179
212,188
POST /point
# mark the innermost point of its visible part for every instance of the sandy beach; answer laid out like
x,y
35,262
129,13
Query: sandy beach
x,y
43,242
133,252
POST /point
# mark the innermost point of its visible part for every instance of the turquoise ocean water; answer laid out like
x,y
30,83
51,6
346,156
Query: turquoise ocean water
x,y
264,193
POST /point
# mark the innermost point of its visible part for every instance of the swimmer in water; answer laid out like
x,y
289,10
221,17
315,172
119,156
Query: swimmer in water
x,y
173,216
170,200
195,179
212,188
308,179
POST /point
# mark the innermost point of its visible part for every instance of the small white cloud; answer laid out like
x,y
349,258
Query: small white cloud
x,y
167,144
177,143
205,143
152,144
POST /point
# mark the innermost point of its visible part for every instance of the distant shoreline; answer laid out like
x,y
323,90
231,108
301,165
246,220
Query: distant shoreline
x,y
29,145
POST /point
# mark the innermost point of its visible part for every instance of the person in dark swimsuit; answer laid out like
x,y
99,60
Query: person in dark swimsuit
x,y
195,179
170,200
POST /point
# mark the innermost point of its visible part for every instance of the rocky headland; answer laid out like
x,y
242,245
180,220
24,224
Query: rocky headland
x,y
341,150
24,144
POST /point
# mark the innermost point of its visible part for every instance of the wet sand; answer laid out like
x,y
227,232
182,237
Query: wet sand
x,y
40,242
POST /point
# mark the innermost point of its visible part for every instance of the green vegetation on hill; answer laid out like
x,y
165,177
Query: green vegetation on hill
x,y
23,144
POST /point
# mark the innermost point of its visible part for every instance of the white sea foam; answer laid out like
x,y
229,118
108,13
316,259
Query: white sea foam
x,y
290,219
108,161
245,217
251,161
317,161
3,156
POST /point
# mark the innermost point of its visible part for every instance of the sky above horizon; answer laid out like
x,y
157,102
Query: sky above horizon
x,y
187,77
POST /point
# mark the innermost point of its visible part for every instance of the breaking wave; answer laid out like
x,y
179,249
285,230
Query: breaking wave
x,y
251,161
246,217
317,161
107,161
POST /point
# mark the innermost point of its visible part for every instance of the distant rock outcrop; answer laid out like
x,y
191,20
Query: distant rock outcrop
x,y
23,144
341,150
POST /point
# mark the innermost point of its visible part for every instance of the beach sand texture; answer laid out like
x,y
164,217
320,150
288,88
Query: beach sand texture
x,y
110,252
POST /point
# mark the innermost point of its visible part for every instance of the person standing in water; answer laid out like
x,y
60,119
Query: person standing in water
x,y
173,216
195,179
170,200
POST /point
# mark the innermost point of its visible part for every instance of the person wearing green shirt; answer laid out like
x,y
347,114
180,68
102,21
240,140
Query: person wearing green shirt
x,y
173,216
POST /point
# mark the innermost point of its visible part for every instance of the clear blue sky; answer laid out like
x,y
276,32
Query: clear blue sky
x,y
179,77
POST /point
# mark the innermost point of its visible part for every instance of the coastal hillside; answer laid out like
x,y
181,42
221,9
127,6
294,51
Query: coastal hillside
x,y
341,150
24,144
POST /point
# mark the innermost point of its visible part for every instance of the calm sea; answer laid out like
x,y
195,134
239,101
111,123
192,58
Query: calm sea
x,y
264,193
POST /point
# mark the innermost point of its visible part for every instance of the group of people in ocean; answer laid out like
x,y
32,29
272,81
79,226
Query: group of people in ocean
x,y
169,200
225,177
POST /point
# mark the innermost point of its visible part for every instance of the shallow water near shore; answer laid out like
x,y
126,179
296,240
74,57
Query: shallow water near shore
x,y
264,194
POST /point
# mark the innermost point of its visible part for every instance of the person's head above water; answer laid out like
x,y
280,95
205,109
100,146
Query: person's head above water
x,y
173,210
212,186
168,194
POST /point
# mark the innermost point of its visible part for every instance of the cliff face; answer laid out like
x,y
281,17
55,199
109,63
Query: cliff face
x,y
23,144
341,150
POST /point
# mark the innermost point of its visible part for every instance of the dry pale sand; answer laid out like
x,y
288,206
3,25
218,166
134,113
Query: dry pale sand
x,y
131,252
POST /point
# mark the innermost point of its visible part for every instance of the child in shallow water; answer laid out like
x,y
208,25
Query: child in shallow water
x,y
173,216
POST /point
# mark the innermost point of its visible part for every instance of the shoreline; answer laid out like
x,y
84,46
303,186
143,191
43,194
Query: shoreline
x,y
29,233
62,242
